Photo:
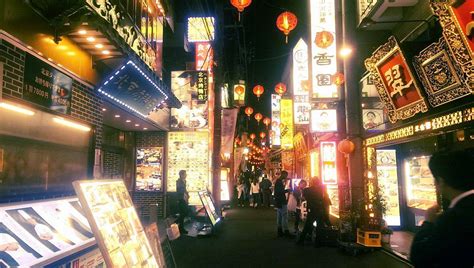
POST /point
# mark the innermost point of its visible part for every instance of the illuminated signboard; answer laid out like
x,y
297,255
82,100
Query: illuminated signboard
x,y
387,178
276,120
239,98
328,162
204,56
323,48
202,86
323,120
286,117
302,107
189,151
200,29
373,119
314,157
149,169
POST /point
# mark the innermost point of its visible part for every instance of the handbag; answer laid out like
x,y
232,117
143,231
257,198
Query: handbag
x,y
173,232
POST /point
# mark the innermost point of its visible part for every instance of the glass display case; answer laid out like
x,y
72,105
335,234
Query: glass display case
x,y
420,186
149,171
387,178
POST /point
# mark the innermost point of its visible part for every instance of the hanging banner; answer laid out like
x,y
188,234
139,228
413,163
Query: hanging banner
x,y
323,48
302,107
286,117
275,139
328,162
395,82
204,56
229,118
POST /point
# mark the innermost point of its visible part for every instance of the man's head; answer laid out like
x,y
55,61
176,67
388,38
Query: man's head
x,y
182,174
284,175
315,181
370,116
302,184
453,172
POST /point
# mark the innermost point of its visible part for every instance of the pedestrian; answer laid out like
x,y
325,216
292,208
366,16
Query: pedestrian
x,y
183,198
255,191
315,205
446,238
265,187
326,205
241,193
281,203
298,194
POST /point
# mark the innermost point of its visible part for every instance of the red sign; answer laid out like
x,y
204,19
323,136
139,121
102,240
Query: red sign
x,y
463,10
398,80
204,56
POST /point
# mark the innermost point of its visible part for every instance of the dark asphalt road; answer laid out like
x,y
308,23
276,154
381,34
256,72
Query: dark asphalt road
x,y
247,238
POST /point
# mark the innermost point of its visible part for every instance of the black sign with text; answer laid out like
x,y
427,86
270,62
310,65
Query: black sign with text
x,y
202,86
46,86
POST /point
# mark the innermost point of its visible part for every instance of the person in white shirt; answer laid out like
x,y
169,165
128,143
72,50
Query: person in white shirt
x,y
255,192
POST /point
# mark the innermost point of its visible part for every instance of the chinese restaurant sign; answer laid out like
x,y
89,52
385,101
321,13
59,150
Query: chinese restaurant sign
x,y
328,162
200,29
46,86
323,48
300,83
395,82
111,13
204,56
202,86
276,120
324,120
286,117
301,150
457,19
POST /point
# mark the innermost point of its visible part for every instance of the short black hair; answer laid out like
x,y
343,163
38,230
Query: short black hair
x,y
455,167
284,173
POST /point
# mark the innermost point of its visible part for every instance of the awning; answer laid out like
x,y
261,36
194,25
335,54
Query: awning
x,y
131,87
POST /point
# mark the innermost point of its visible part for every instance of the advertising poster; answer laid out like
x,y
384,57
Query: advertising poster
x,y
323,48
194,112
388,183
286,117
275,139
210,207
373,119
46,86
149,169
324,120
300,83
33,233
328,162
288,162
189,151
115,223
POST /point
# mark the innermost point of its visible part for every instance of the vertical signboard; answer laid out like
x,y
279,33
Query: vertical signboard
x,y
388,183
204,56
323,48
275,139
202,86
300,83
286,117
239,94
328,162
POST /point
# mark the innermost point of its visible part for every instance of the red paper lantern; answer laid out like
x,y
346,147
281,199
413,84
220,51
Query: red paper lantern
x,y
274,124
239,90
258,117
252,136
267,121
286,22
249,111
258,90
272,133
240,5
346,146
338,79
280,89
263,135
324,39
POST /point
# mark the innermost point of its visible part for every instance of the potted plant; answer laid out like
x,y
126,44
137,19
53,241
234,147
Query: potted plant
x,y
386,233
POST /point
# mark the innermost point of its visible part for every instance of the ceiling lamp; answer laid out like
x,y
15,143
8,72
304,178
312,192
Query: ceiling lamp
x,y
280,89
286,22
240,5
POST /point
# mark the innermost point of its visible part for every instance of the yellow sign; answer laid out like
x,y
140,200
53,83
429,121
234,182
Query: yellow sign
x,y
286,117
200,29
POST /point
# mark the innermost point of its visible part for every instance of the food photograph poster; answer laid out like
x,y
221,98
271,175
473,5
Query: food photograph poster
x,y
149,172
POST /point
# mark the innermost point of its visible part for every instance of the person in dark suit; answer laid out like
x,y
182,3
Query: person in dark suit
x,y
281,204
447,239
314,196
183,197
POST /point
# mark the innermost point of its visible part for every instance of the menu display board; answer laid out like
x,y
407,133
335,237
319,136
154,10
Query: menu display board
x,y
31,234
210,207
189,151
333,193
149,171
328,162
420,186
115,223
388,183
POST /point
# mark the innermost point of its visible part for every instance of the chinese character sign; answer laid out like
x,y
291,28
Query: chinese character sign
x,y
463,12
302,106
328,162
204,56
202,86
286,131
323,48
275,139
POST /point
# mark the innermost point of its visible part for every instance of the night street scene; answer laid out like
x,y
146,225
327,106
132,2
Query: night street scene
x,y
236,133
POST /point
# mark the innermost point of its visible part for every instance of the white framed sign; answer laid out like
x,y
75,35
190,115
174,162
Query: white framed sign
x,y
324,120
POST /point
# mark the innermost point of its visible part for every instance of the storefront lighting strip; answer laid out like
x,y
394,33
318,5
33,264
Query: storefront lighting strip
x,y
71,124
17,109
149,80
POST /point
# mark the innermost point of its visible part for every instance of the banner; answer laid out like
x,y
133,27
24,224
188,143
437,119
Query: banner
x,y
286,115
229,118
275,139
302,106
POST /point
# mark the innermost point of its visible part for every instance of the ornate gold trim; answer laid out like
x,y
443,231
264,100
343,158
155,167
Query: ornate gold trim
x,y
379,56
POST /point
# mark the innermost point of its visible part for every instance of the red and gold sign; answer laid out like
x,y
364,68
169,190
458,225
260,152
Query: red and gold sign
x,y
457,19
204,56
395,82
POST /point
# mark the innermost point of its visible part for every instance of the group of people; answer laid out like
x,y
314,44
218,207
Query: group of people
x,y
250,189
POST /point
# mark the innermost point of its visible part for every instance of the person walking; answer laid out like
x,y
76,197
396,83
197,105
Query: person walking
x,y
265,187
255,191
241,193
298,194
315,204
281,203
183,197
446,239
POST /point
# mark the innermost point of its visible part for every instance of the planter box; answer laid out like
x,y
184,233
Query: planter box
x,y
369,238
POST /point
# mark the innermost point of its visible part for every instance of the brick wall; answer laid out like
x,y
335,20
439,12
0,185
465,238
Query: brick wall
x,y
85,104
144,201
113,164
